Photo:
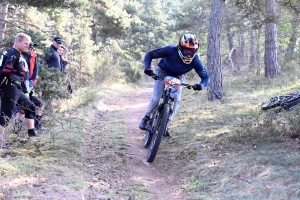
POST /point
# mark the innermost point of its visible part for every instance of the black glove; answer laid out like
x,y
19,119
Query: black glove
x,y
30,93
197,87
149,72
70,88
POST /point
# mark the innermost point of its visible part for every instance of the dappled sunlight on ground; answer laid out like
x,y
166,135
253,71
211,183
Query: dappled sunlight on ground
x,y
23,180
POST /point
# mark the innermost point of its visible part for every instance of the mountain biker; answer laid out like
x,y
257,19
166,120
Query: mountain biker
x,y
14,68
175,61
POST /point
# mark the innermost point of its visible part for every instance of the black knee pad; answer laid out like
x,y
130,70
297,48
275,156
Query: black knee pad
x,y
30,112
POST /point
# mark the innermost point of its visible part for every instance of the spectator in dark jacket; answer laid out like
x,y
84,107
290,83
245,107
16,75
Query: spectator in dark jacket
x,y
52,57
12,76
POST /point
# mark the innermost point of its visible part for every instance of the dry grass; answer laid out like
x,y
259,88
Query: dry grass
x,y
232,150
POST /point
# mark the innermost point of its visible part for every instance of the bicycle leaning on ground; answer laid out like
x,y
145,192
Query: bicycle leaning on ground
x,y
157,125
287,102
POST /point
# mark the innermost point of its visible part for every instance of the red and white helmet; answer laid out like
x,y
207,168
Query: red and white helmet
x,y
188,47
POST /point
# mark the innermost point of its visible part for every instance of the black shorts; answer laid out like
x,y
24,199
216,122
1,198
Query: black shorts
x,y
12,96
37,102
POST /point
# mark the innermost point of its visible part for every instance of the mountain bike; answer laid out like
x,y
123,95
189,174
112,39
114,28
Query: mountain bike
x,y
157,125
287,102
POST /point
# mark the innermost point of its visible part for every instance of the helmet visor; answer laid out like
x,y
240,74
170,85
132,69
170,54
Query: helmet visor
x,y
189,52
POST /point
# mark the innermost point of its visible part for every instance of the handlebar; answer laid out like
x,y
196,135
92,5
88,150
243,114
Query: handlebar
x,y
156,77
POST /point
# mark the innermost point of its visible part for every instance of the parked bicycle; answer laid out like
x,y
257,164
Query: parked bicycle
x,y
287,102
157,125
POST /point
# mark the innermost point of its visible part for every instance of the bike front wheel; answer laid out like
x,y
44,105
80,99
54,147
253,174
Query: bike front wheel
x,y
151,128
269,105
162,123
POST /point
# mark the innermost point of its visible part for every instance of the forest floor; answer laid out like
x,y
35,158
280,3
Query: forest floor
x,y
108,163
158,180
93,148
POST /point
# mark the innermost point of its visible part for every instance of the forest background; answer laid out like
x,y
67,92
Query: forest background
x,y
243,43
107,40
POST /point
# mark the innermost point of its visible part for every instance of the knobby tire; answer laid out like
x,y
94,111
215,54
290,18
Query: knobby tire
x,y
151,128
157,135
270,105
292,104
148,136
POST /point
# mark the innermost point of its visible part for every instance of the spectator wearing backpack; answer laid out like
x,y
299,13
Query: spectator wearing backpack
x,y
14,93
32,62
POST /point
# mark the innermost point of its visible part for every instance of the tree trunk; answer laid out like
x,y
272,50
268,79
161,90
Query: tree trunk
x,y
252,60
214,65
293,39
271,60
242,45
258,56
229,34
3,17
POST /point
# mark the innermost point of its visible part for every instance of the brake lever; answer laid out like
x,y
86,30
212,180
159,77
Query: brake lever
x,y
154,76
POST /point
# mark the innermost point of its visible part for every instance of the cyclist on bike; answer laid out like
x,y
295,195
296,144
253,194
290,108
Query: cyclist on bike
x,y
175,61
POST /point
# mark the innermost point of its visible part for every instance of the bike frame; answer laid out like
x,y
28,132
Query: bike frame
x,y
160,118
285,102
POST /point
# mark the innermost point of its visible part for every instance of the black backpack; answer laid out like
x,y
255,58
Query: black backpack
x,y
2,61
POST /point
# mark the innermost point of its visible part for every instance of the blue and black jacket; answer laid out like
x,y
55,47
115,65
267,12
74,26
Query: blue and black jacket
x,y
173,65
52,58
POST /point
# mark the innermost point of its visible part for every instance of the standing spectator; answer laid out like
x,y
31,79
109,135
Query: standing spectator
x,y
14,68
31,59
61,52
52,57
63,63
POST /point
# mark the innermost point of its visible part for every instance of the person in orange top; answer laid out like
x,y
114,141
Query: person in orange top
x,y
32,62
33,65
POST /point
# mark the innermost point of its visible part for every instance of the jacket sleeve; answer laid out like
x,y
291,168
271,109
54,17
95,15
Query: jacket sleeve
x,y
3,75
35,70
47,56
154,54
64,64
201,71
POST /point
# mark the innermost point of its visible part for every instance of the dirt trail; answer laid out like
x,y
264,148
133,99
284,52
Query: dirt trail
x,y
160,177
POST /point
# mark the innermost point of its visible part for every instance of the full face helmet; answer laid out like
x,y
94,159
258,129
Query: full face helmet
x,y
187,48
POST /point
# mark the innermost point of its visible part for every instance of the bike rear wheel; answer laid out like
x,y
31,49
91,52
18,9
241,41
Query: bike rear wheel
x,y
162,123
292,104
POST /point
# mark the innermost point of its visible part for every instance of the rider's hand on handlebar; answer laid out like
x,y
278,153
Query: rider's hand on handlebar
x,y
197,87
149,72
